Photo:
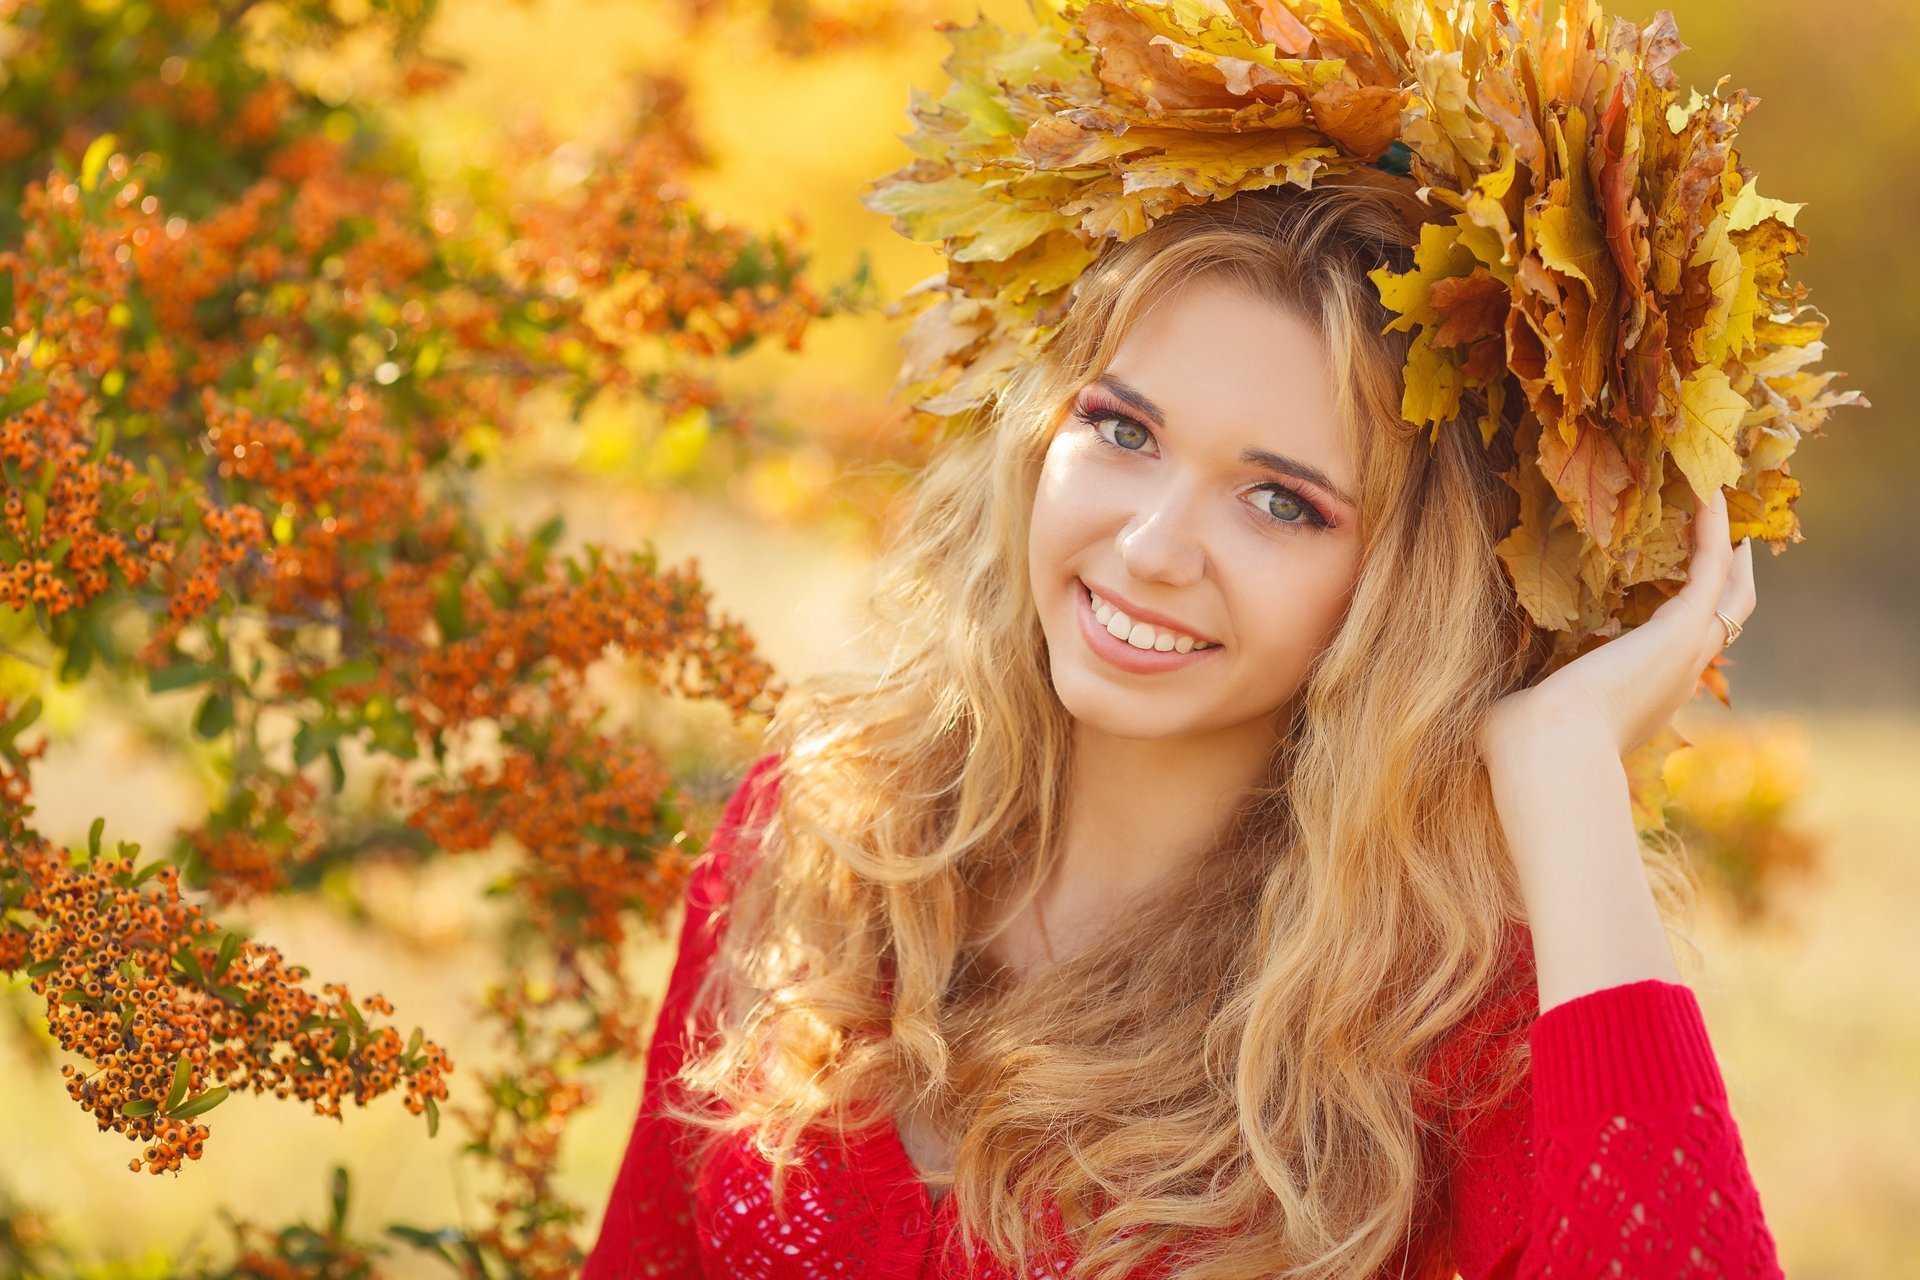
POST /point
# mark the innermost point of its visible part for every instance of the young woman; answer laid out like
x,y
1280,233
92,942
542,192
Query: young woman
x,y
1202,881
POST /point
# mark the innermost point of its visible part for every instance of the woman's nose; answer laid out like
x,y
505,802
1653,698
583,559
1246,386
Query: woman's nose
x,y
1162,544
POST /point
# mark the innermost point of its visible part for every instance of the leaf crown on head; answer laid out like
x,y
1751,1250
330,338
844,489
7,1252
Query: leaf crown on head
x,y
1599,266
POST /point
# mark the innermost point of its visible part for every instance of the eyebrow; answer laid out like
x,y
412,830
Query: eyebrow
x,y
1252,457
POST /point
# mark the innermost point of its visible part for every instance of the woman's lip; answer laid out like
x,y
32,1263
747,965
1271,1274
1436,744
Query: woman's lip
x,y
1119,653
1138,614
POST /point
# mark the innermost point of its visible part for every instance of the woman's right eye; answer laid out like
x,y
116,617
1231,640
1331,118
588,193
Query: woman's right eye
x,y
1129,435
1120,432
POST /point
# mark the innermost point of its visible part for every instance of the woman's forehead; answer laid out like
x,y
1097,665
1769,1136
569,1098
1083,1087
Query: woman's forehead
x,y
1218,365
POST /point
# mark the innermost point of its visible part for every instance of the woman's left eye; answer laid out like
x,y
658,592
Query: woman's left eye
x,y
1287,506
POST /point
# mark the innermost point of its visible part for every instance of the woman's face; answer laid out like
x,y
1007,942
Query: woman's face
x,y
1193,541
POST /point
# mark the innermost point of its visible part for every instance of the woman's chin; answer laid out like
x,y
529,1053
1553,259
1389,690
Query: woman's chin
x,y
1096,704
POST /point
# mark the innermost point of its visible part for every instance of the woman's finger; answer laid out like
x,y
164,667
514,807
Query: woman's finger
x,y
1712,558
1737,596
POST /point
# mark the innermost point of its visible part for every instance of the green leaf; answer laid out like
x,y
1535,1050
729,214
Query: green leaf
x,y
147,872
229,948
139,1107
29,392
28,712
450,608
79,659
189,962
311,739
613,835
340,1189
433,1117
358,671
435,1242
75,996
357,1019
215,716
182,1077
199,1103
339,770
93,837
41,968
95,159
342,1043
181,675
549,532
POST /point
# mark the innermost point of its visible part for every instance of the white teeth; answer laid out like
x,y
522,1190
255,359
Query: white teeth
x,y
1141,635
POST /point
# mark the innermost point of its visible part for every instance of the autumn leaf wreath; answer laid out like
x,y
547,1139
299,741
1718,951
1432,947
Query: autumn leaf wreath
x,y
1598,270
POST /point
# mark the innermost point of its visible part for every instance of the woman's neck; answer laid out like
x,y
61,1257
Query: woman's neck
x,y
1137,813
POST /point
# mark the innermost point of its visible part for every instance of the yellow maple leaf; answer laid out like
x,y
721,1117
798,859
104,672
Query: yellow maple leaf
x,y
1767,511
1727,325
1542,554
1588,475
1703,441
1749,208
1210,165
953,210
1410,293
1484,221
1431,390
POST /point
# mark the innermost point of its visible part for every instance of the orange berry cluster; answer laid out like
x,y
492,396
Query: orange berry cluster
x,y
585,810
62,491
660,267
660,619
171,1014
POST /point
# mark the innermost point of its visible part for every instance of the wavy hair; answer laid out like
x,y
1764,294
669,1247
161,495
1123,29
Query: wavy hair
x,y
1231,1079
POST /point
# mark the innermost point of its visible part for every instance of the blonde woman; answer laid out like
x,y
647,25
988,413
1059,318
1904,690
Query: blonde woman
x,y
1209,876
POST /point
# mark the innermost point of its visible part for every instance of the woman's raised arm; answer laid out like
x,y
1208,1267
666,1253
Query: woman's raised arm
x,y
1618,1155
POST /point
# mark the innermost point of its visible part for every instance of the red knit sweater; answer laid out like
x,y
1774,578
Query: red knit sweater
x,y
1615,1157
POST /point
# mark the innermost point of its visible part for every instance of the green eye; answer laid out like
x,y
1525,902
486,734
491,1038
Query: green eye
x,y
1129,435
1285,506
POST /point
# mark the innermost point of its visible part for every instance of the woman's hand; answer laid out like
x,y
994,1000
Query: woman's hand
x,y
1630,687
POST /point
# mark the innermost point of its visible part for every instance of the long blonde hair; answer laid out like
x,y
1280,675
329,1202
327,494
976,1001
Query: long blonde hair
x,y
1230,1079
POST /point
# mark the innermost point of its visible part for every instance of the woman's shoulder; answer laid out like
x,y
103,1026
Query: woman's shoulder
x,y
736,835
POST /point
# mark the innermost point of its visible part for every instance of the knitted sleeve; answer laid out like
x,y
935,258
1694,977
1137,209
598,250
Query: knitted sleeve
x,y
1616,1154
648,1226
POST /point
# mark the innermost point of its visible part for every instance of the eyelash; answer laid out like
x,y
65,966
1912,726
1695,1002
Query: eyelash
x,y
1093,415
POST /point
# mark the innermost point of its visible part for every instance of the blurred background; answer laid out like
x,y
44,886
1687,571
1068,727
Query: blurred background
x,y
1814,1003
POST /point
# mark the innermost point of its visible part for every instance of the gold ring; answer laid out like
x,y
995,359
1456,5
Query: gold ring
x,y
1733,628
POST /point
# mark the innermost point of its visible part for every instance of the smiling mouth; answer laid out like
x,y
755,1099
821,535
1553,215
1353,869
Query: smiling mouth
x,y
1138,632
1136,647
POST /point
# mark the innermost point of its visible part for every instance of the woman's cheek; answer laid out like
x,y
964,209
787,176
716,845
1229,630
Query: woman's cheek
x,y
1303,618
